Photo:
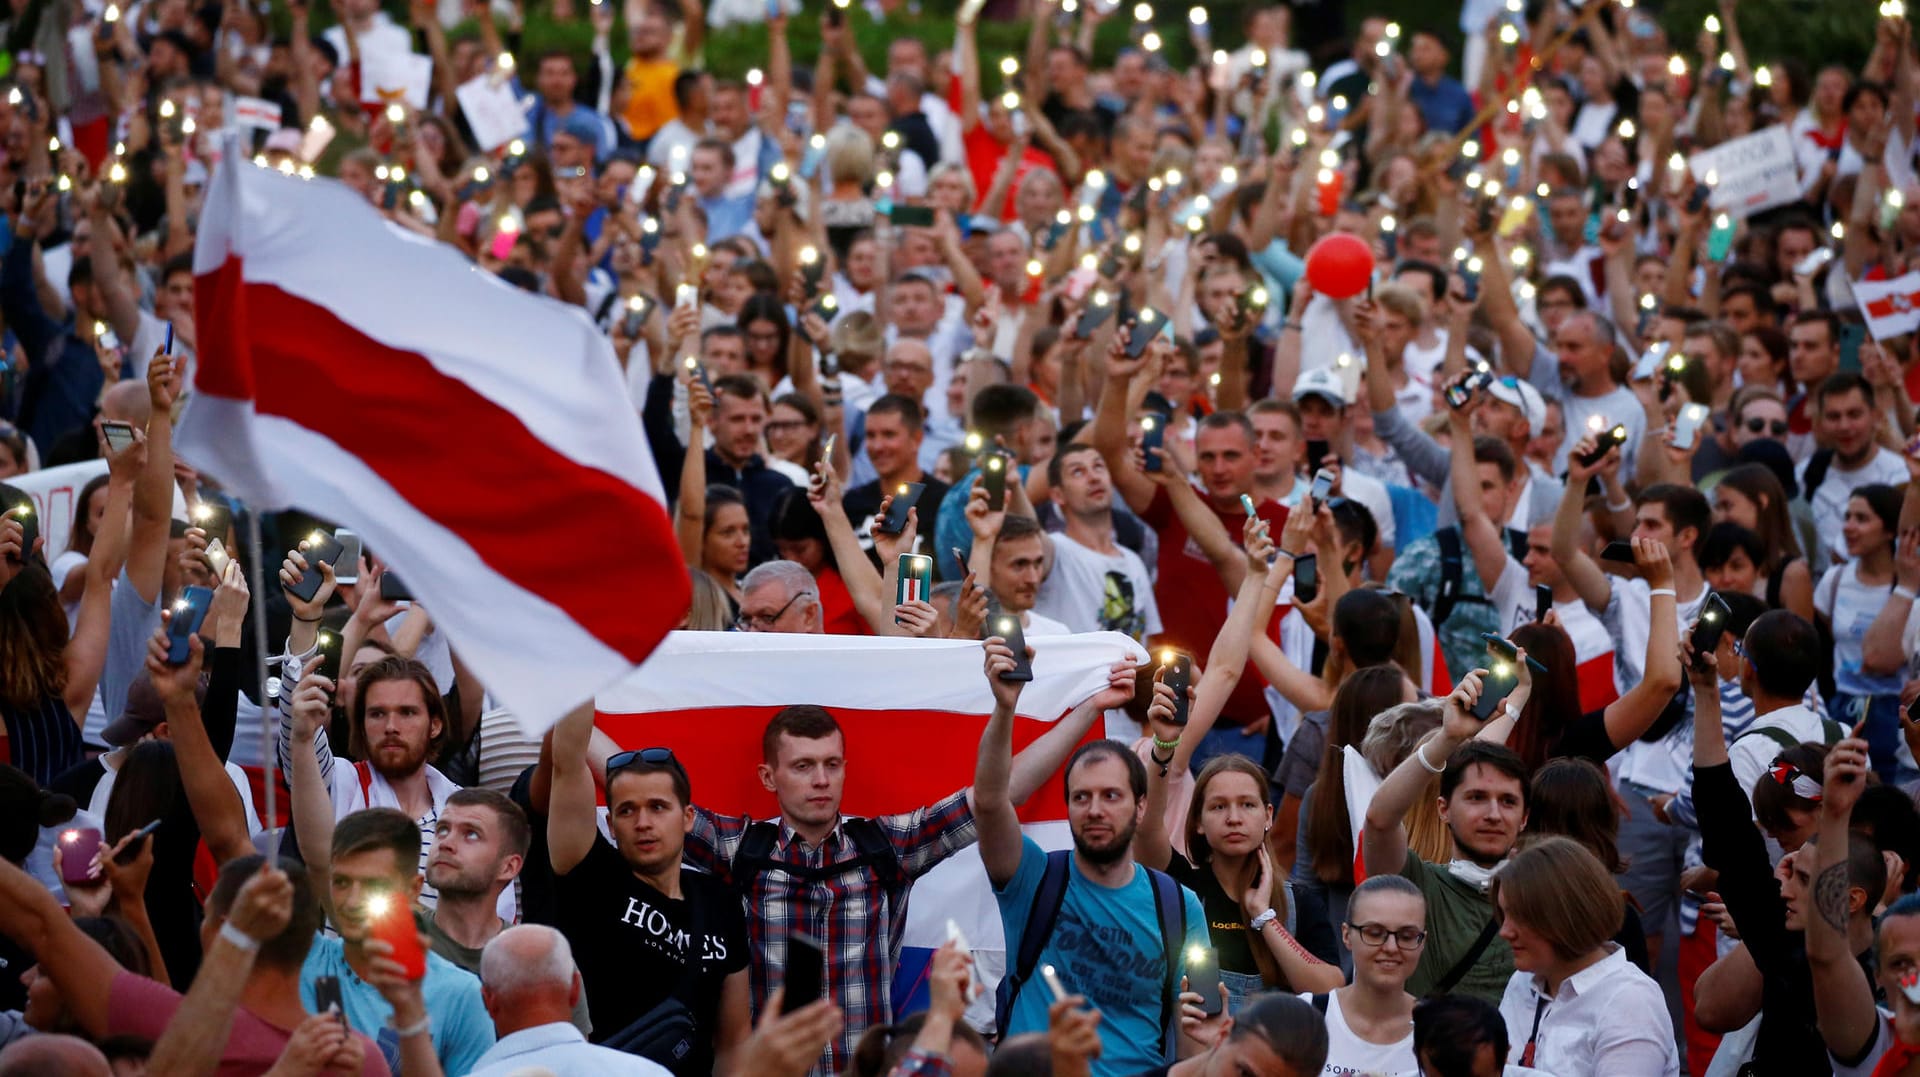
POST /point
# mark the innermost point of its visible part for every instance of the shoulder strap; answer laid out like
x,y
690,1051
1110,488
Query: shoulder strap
x,y
754,854
1320,1003
1817,466
1041,916
876,850
1169,903
1452,568
1831,732
1777,735
366,782
1467,960
1516,543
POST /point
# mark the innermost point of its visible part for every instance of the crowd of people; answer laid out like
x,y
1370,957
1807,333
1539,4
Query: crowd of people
x,y
1534,676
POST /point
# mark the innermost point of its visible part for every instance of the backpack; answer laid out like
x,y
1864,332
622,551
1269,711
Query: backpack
x,y
1830,734
1453,570
1168,904
754,857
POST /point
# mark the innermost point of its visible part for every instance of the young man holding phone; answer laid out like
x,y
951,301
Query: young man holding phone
x,y
651,935
1011,550
814,866
1091,583
1106,935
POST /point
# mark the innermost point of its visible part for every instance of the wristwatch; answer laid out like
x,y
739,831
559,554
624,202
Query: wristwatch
x,y
1261,921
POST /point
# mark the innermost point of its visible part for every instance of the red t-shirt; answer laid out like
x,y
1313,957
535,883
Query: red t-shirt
x,y
137,1006
838,617
1194,603
983,158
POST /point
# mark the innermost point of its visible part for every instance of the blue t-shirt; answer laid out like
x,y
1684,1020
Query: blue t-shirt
x,y
462,1028
1105,945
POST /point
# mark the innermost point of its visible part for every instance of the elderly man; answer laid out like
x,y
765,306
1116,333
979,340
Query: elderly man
x,y
780,596
530,986
49,1055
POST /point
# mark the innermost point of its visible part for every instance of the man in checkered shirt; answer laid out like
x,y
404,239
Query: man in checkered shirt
x,y
843,880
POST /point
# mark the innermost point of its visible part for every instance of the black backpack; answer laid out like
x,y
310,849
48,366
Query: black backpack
x,y
754,857
1453,566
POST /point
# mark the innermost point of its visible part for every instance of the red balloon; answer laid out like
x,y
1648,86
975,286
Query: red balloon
x,y
1339,265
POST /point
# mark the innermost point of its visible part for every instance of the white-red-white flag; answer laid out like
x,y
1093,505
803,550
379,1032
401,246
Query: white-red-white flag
x,y
1892,306
477,437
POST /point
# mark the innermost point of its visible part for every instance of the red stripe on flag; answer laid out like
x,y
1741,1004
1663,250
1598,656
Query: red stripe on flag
x,y
897,760
592,544
221,367
1881,308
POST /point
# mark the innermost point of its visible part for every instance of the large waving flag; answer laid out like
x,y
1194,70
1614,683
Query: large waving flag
x,y
912,711
479,438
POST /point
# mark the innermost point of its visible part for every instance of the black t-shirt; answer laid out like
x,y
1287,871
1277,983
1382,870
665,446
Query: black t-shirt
x,y
863,501
631,942
1227,921
1586,738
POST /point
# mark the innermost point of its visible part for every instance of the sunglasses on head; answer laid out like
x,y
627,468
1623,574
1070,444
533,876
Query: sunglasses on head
x,y
1761,426
651,756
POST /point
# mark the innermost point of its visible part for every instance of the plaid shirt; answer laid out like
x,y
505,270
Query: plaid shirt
x,y
858,920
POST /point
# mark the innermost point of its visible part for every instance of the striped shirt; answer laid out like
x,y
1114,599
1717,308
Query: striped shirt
x,y
42,740
856,915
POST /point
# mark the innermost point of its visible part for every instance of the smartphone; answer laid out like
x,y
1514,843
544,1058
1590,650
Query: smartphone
x,y
77,848
1462,391
326,996
390,920
104,336
392,588
915,581
218,557
634,321
1697,201
1146,326
119,436
1618,550
1306,577
1499,682
329,643
699,371
1613,437
1686,429
806,964
1317,451
1711,625
686,295
1808,266
1542,601
189,613
895,521
1203,979
1179,677
131,851
319,547
911,216
1007,626
1052,978
1153,436
347,569
1099,309
993,476
1322,488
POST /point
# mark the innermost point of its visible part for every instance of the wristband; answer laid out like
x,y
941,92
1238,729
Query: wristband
x,y
1420,753
1621,507
1293,325
306,620
1263,920
232,933
425,1024
1283,553
1165,745
1668,591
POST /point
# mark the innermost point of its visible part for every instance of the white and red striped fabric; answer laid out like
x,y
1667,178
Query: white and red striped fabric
x,y
477,437
912,711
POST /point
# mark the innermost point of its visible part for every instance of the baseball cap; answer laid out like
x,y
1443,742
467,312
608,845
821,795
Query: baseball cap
x,y
1511,390
1322,383
144,711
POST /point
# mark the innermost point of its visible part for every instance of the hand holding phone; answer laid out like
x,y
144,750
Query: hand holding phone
x,y
1007,626
317,547
1177,674
78,845
1203,979
390,920
904,498
189,613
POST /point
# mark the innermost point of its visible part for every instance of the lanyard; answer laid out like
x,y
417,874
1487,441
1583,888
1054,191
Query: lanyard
x,y
1539,1011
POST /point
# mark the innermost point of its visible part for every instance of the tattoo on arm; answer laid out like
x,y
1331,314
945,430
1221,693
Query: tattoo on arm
x,y
1299,950
1830,896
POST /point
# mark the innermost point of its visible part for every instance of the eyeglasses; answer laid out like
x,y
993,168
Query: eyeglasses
x,y
783,426
1407,938
650,756
1797,781
1761,426
764,622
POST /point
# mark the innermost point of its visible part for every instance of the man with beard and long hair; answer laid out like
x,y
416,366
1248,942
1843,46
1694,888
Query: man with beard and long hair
x,y
1103,927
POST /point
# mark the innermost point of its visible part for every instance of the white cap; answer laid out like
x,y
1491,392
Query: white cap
x,y
1322,383
1515,391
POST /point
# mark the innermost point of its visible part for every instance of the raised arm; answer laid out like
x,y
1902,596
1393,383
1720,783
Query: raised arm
x,y
110,279
690,510
312,795
1582,573
1636,711
571,829
1043,758
1843,1003
85,656
993,812
1496,300
217,809
79,966
1482,535
197,1036
1110,420
153,490
1384,836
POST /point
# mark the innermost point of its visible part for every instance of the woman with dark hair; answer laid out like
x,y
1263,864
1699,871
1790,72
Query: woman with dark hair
x,y
793,430
763,321
88,508
1574,799
1323,854
1763,360
1851,596
1751,495
711,522
49,674
1551,724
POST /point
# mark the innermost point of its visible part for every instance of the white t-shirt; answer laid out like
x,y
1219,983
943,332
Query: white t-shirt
x,y
1035,624
1512,596
103,791
1350,1056
1752,752
1372,493
1628,617
1852,606
1830,497
1091,591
